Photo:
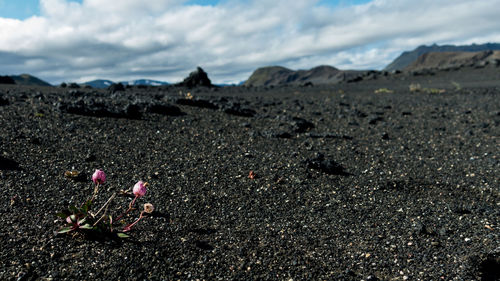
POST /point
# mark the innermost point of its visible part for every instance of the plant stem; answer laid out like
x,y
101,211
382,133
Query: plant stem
x,y
96,189
128,227
128,210
106,204
105,207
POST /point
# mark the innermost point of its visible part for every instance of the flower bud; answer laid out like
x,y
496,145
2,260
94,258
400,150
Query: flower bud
x,y
149,208
139,189
99,177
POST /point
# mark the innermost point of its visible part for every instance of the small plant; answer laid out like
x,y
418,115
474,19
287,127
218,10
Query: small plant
x,y
435,91
383,91
84,219
457,85
415,87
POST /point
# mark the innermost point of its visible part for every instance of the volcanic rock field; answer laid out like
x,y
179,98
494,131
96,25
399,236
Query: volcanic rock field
x,y
355,181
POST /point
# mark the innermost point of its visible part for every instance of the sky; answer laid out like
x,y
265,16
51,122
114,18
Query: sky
x,y
78,41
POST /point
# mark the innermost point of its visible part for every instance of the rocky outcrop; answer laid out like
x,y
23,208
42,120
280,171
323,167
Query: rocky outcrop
x,y
277,75
196,78
450,60
406,58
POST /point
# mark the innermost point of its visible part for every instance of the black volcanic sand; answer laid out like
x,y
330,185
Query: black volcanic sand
x,y
349,184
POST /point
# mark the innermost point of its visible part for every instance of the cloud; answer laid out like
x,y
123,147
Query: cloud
x,y
166,39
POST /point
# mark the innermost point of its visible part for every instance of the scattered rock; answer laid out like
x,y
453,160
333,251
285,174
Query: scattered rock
x,y
90,107
197,103
236,109
329,136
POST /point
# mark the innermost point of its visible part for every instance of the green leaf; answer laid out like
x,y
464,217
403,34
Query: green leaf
x,y
74,209
86,206
62,215
65,229
122,235
86,226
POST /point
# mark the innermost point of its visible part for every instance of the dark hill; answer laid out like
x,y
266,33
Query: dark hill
x,y
277,75
406,58
29,80
7,80
448,60
271,75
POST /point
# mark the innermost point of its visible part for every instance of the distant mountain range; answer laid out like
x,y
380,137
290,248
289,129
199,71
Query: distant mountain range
x,y
102,84
406,58
423,57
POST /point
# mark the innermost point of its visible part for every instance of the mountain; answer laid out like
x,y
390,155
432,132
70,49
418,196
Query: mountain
x,y
448,60
99,83
28,80
277,75
146,82
270,75
103,84
406,58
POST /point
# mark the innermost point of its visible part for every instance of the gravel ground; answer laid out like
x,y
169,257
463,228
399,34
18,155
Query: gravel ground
x,y
347,185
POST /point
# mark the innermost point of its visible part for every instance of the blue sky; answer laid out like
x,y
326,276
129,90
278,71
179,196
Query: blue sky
x,y
22,9
78,41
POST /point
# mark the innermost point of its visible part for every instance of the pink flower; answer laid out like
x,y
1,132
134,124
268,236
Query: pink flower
x,y
140,188
99,177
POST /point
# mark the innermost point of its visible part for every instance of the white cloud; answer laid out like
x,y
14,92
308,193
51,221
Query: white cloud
x,y
166,39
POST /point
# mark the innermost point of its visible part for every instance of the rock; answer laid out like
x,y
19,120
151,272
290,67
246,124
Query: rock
x,y
236,109
301,125
326,165
375,120
164,109
7,80
8,164
90,107
75,93
198,103
329,136
132,111
116,87
360,113
3,101
196,78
